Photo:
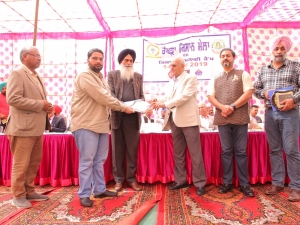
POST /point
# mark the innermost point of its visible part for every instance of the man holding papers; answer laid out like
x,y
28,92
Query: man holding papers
x,y
281,125
125,85
91,101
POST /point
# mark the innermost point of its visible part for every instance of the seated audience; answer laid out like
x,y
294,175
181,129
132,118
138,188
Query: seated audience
x,y
210,110
4,107
147,116
57,112
57,123
206,120
162,118
254,119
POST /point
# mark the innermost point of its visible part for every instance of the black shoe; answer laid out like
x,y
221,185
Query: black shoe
x,y
225,188
177,186
86,202
200,191
106,194
247,191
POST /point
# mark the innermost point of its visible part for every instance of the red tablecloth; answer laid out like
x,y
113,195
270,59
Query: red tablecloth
x,y
59,166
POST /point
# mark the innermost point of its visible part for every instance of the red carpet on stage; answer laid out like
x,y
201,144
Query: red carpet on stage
x,y
180,207
8,211
63,207
185,207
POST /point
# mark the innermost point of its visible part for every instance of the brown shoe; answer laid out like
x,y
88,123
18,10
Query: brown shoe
x,y
294,195
135,186
118,186
273,190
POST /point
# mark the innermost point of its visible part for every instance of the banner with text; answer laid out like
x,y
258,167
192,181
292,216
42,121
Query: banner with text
x,y
201,55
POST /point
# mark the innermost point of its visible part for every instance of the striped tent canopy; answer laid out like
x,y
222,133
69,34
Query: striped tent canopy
x,y
89,19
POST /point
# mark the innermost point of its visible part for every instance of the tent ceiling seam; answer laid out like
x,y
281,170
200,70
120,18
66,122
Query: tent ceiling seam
x,y
138,13
5,28
176,13
60,16
216,9
260,7
97,12
20,15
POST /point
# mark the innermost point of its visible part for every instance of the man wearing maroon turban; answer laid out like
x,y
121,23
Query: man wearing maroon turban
x,y
125,85
282,126
4,107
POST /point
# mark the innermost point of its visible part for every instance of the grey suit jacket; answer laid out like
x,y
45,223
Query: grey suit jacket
x,y
58,124
258,119
115,84
27,117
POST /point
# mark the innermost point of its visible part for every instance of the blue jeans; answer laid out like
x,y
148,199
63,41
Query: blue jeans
x,y
93,150
282,129
234,139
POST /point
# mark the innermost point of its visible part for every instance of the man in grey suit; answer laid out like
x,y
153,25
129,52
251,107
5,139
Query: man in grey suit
x,y
26,96
57,123
125,85
183,119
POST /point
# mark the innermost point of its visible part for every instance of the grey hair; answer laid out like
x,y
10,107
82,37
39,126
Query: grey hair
x,y
26,50
180,59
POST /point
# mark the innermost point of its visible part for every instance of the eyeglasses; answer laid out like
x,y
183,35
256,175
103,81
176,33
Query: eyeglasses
x,y
35,55
172,65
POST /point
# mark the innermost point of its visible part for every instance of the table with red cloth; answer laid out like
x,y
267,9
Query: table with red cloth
x,y
59,165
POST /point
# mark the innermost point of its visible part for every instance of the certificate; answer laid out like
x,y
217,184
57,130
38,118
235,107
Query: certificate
x,y
138,105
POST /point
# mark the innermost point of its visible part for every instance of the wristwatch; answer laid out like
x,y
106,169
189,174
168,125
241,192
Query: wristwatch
x,y
233,106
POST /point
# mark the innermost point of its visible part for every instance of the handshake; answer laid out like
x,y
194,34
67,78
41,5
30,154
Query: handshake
x,y
156,104
142,106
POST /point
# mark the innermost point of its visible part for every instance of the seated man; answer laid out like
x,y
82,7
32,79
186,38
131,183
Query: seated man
x,y
57,123
206,120
4,107
162,118
254,119
147,117
57,110
210,110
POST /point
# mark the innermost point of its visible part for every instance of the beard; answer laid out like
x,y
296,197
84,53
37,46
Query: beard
x,y
226,63
279,58
126,72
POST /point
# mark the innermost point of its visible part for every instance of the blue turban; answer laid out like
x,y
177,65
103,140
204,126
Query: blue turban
x,y
3,84
126,52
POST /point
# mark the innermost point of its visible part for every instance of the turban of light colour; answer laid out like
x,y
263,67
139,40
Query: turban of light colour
x,y
285,40
124,53
3,84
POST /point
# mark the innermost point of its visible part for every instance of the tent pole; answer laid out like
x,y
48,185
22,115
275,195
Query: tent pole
x,y
35,21
109,54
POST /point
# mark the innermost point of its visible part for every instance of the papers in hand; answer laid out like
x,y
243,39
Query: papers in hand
x,y
279,95
138,105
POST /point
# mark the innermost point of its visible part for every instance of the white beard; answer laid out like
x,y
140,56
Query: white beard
x,y
126,72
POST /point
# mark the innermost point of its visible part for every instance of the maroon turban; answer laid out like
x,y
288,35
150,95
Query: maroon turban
x,y
124,53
